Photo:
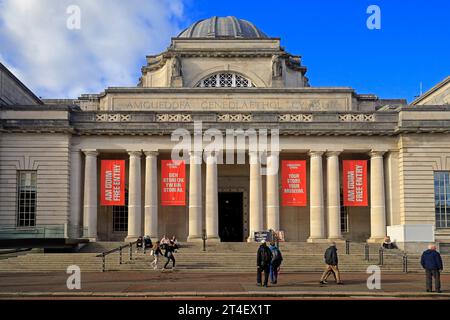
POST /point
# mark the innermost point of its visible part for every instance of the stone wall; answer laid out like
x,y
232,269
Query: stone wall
x,y
49,155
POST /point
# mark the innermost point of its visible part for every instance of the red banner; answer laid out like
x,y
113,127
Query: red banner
x,y
355,183
293,174
173,183
112,184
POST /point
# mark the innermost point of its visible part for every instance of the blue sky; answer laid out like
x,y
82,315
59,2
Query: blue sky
x,y
412,46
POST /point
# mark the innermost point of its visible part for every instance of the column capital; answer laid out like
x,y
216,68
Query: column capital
x,y
376,153
151,153
135,153
333,153
315,153
90,152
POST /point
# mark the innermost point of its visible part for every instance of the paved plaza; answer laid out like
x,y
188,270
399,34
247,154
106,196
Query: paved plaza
x,y
179,284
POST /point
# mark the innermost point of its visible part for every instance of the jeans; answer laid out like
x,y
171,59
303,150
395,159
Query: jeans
x,y
430,274
155,261
260,270
274,273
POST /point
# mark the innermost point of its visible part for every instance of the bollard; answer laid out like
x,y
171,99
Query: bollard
x,y
347,246
381,257
366,252
120,255
204,239
103,262
131,251
405,263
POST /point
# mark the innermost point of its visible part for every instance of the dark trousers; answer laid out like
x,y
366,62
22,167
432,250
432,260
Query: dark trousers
x,y
430,274
170,257
260,270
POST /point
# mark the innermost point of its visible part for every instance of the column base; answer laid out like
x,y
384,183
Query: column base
x,y
317,240
131,238
212,239
337,240
375,240
250,239
92,239
194,239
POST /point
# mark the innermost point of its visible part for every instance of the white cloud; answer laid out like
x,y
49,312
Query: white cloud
x,y
108,50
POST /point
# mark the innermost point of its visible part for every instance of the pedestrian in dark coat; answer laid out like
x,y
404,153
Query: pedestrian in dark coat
x,y
263,260
169,250
431,261
331,260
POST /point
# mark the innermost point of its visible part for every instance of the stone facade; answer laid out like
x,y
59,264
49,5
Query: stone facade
x,y
65,141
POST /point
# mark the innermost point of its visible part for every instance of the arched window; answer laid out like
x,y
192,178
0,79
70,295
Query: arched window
x,y
225,80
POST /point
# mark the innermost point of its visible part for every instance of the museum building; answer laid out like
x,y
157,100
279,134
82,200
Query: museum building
x,y
226,74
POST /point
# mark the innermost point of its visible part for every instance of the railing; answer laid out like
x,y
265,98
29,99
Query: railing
x,y
120,249
59,231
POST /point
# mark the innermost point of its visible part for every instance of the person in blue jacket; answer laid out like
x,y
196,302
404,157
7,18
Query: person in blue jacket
x,y
431,261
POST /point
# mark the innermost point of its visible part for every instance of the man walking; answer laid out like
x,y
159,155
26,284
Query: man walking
x,y
263,259
331,260
431,261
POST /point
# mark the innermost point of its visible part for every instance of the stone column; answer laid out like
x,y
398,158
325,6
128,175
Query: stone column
x,y
211,200
333,196
134,197
195,196
151,195
272,193
90,195
316,213
256,208
377,198
75,194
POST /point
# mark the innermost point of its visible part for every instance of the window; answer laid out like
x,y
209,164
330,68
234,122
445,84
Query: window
x,y
442,198
344,215
225,80
26,198
120,216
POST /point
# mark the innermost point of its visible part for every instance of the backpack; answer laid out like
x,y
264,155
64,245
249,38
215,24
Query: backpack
x,y
278,258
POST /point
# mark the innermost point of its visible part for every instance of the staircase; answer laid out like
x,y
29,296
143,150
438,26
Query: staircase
x,y
220,257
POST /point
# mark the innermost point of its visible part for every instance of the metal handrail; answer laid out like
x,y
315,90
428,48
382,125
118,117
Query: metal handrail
x,y
106,253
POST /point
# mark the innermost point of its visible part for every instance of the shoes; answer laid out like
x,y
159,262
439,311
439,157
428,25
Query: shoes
x,y
265,285
428,290
323,282
258,284
341,283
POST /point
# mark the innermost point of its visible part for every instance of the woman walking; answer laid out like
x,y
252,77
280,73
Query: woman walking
x,y
156,252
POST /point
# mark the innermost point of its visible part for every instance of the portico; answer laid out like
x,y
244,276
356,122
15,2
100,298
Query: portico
x,y
324,204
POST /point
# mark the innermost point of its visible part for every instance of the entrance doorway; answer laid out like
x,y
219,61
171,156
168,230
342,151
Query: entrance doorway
x,y
231,216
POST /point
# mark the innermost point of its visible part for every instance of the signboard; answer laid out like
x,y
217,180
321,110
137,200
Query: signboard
x,y
262,235
293,175
355,183
112,184
173,183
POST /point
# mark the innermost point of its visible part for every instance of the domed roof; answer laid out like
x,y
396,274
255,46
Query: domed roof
x,y
217,27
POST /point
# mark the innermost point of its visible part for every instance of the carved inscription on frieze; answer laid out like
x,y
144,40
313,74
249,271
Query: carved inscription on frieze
x,y
260,104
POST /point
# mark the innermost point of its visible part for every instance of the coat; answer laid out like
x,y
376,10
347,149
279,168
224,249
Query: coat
x,y
263,257
331,257
431,260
